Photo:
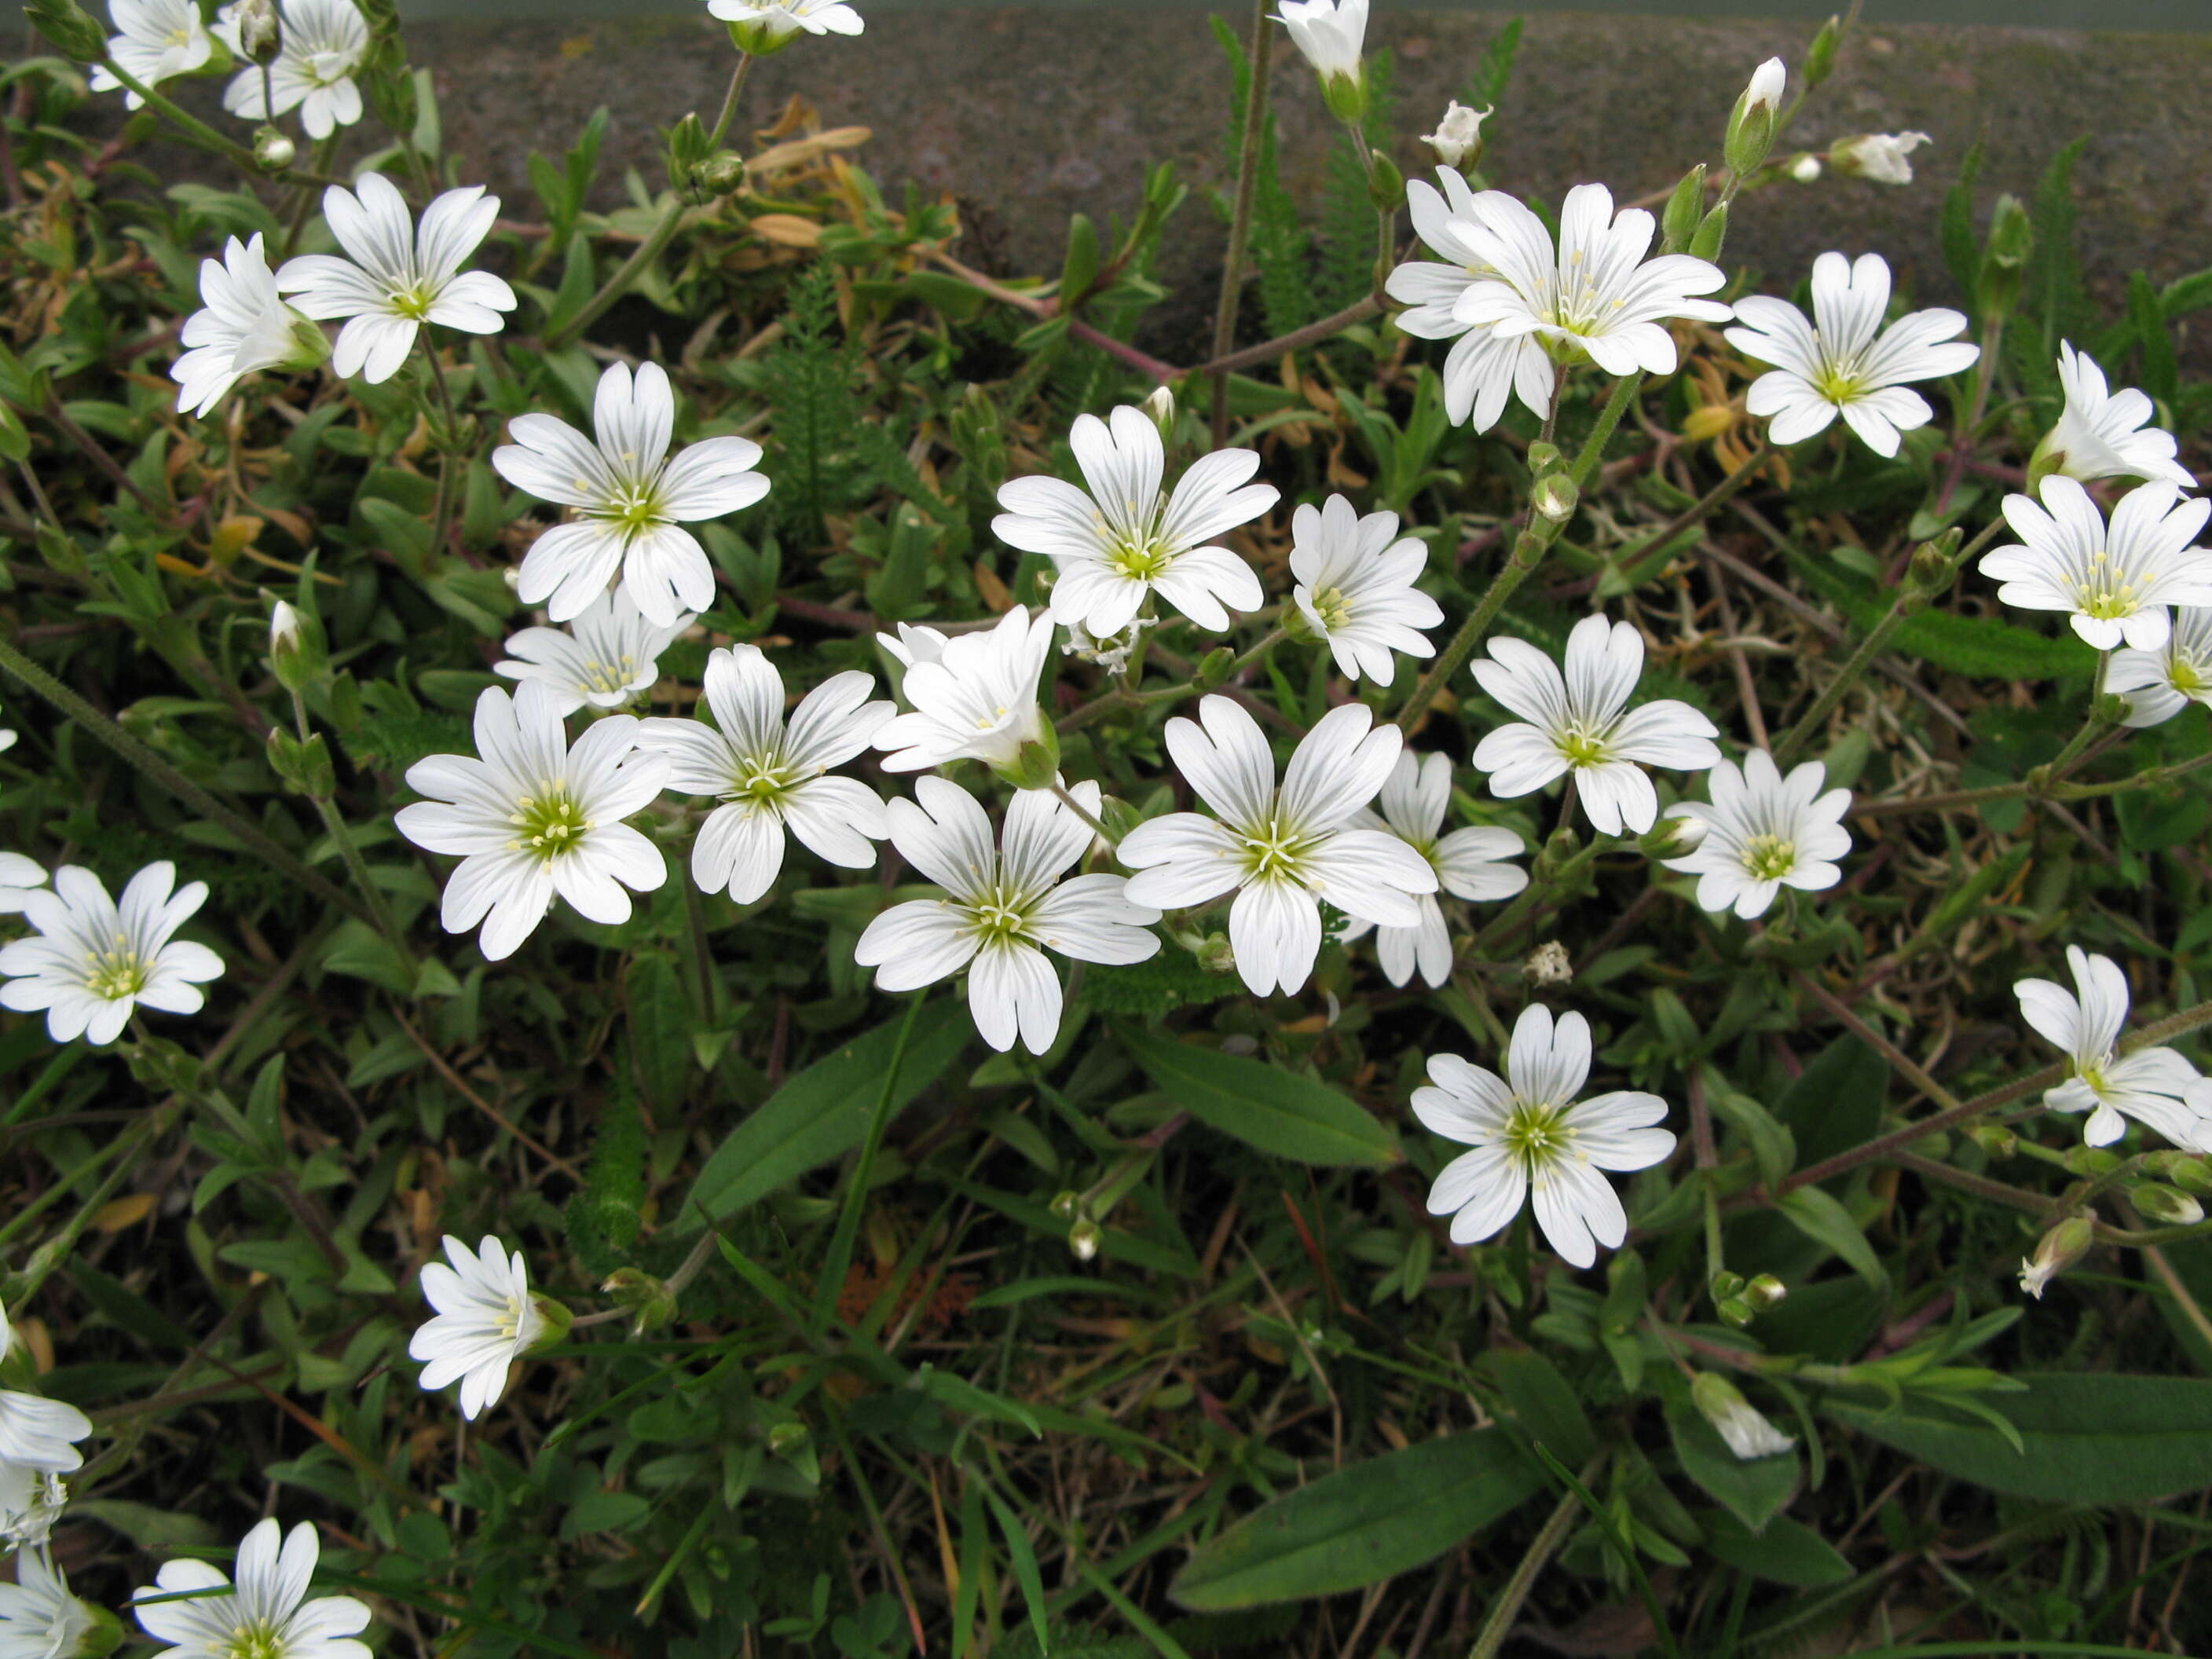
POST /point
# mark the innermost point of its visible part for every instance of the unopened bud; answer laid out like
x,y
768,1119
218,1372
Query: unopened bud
x,y
1683,209
1161,407
1215,954
785,1439
1065,1204
1736,1313
1712,231
69,26
1820,56
2004,256
1544,456
1805,168
1751,126
1766,1293
1726,1284
1457,140
1555,497
2191,1175
1747,1430
722,173
1934,567
2090,1162
1386,185
1995,1139
1036,765
1672,837
1213,668
296,652
260,29
1084,1238
557,1317
2057,1250
2154,1201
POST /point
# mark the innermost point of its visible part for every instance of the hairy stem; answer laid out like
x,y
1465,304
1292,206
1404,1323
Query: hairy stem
x,y
1240,223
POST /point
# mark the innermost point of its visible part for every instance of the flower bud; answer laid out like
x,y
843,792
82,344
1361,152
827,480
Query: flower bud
x,y
2057,1250
1065,1204
1544,456
557,1317
1805,168
1736,1313
1036,762
1215,954
1994,1139
1726,1285
69,26
1748,1434
1386,186
2090,1162
787,1437
1766,1293
1877,157
1214,667
1712,231
296,653
260,29
1933,568
1751,125
1671,836
1084,1238
1679,221
2156,1201
1161,408
722,173
1820,56
2191,1175
1555,497
643,1295
1457,140
2004,256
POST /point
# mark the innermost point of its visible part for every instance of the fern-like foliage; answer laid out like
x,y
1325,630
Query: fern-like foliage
x,y
812,411
1280,247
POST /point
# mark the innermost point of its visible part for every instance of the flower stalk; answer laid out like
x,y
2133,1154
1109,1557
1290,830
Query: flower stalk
x,y
1240,223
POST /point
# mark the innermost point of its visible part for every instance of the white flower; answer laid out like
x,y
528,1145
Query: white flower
x,y
266,1615
772,777
1738,1422
1767,84
398,277
2102,434
242,326
40,1434
325,42
2158,684
19,877
1527,1131
1582,725
1877,156
761,25
1116,547
914,644
1843,361
533,818
1469,865
606,657
39,1617
486,1320
1111,654
1762,833
2154,1086
1007,907
31,1501
92,962
1281,851
977,699
1332,33
1355,587
157,40
1484,367
1458,133
2116,580
631,500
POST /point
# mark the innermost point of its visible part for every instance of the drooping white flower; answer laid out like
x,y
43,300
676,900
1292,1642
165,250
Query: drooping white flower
x,y
398,276
1469,863
40,1434
2158,684
486,1320
92,962
1282,850
772,777
1528,1132
1458,134
1844,362
31,1501
265,1614
2154,1086
631,500
156,40
324,45
533,818
2116,580
761,27
1878,157
605,657
1126,540
1355,587
19,877
1331,34
1006,907
39,1617
1582,724
1763,832
1742,1424
976,699
2103,434
242,325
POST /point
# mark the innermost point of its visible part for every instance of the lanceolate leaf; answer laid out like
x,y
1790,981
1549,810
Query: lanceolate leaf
x,y
1276,1110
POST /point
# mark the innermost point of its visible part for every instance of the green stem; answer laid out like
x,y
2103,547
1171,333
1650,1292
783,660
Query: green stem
x,y
1535,893
1694,514
159,772
1500,1624
840,1256
56,1250
1085,813
206,136
1240,223
445,498
334,825
1244,660
2094,726
1967,799
326,149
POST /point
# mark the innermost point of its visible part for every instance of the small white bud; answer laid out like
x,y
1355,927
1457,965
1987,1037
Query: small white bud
x,y
1748,1434
1805,169
1767,81
1459,135
283,628
1161,408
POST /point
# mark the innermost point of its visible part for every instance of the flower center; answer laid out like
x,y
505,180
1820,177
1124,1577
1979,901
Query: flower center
x,y
2184,674
1273,850
551,825
1140,560
763,782
413,303
1769,858
511,1326
610,679
2093,1073
634,509
999,915
1582,747
257,1640
117,972
327,68
1536,1134
1332,608
2103,592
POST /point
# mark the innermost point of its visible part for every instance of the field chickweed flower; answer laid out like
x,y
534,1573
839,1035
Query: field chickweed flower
x,y
976,699
31,1501
486,1320
533,818
606,657
632,501
1125,541
324,46
398,276
2155,1086
155,41
93,963
1844,362
2103,434
266,1615
1528,1133
761,27
242,325
1007,906
1469,865
19,877
39,1617
771,777
1355,587
1762,833
2158,684
1484,367
2116,579
1281,851
1878,157
1458,135
1331,34
1582,724
1742,1424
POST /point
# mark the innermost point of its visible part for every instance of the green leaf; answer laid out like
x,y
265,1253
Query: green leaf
x,y
1276,1110
604,1511
659,1029
1836,1102
821,1114
2089,1439
160,1530
1361,1525
1787,1552
1821,1216
1544,1401
1753,1491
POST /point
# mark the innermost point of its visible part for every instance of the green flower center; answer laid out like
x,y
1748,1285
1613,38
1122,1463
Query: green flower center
x,y
2184,674
1839,385
1536,1133
610,679
1332,608
2103,594
551,826
1769,858
413,303
1272,851
761,782
1142,560
1583,748
117,973
1000,915
259,1640
634,509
